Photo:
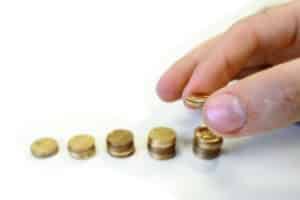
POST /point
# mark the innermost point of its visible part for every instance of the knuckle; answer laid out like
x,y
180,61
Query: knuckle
x,y
244,28
291,99
240,25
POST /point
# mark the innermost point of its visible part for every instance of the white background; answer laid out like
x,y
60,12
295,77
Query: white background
x,y
69,67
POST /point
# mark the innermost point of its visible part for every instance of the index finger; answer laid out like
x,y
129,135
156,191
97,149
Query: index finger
x,y
258,36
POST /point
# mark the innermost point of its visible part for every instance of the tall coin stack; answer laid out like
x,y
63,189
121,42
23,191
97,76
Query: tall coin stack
x,y
206,144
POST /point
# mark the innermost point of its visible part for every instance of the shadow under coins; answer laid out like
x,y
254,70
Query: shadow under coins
x,y
248,168
258,167
262,167
183,121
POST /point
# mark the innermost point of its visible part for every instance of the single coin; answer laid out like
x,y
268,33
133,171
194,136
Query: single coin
x,y
196,101
120,143
162,143
82,146
206,144
44,147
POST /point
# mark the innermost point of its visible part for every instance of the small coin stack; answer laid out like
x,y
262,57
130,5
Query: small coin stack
x,y
120,143
82,146
206,144
162,143
44,147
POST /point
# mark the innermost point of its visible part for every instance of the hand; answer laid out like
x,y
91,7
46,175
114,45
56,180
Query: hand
x,y
265,50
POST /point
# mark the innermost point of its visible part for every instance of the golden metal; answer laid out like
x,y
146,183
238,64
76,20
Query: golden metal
x,y
120,143
82,146
195,101
162,143
44,147
206,144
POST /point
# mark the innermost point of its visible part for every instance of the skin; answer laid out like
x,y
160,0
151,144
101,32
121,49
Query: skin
x,y
263,53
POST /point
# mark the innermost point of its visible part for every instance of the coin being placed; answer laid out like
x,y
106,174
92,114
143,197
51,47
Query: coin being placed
x,y
162,143
120,143
82,146
44,147
206,144
195,101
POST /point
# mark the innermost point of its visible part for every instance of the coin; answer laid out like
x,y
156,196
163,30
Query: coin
x,y
120,143
195,101
162,143
82,146
206,144
44,147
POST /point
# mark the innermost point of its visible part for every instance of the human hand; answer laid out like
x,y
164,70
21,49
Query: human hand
x,y
263,52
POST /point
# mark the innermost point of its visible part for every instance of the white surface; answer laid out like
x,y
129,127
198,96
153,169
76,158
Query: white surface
x,y
68,67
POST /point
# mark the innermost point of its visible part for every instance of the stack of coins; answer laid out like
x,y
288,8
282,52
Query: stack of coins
x,y
120,143
162,143
44,147
82,146
206,145
196,101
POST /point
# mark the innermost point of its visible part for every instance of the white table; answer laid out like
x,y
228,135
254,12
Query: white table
x,y
69,67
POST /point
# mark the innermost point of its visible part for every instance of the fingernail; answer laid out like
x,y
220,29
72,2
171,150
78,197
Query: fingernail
x,y
225,114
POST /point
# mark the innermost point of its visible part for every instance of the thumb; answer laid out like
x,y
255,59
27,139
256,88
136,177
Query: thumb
x,y
266,100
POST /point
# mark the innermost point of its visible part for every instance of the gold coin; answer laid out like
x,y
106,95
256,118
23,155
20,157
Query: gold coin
x,y
83,155
157,156
162,143
207,145
82,146
162,137
196,101
120,143
44,147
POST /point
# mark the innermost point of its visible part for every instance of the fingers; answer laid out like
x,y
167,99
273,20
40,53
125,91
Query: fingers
x,y
261,102
267,38
172,83
249,71
275,30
